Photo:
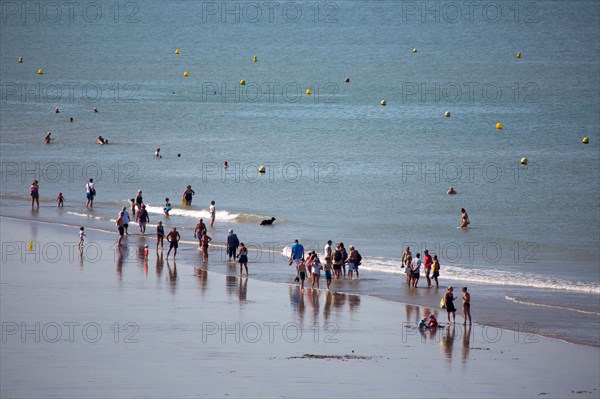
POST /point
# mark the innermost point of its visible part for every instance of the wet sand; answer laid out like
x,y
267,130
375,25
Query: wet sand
x,y
117,326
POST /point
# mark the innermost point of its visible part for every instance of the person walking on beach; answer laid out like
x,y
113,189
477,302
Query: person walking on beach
x,y
415,267
173,239
81,235
142,218
297,253
187,195
435,269
464,221
449,301
120,227
427,262
316,271
126,219
466,306
243,259
34,191
61,200
205,240
301,268
211,210
199,231
90,192
160,236
233,243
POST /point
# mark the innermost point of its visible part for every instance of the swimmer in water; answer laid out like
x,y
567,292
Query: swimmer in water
x,y
95,110
56,111
464,221
47,139
157,153
100,140
451,191
225,165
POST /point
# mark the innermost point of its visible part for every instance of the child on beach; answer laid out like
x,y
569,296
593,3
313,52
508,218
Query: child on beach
x,y
327,268
60,199
316,271
301,273
243,258
146,251
160,236
167,207
81,235
435,269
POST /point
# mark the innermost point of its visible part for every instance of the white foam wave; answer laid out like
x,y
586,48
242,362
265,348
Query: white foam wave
x,y
488,276
543,305
222,216
85,215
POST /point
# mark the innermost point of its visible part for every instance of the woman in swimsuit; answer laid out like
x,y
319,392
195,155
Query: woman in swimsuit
x,y
187,195
466,306
205,240
449,296
243,258
34,190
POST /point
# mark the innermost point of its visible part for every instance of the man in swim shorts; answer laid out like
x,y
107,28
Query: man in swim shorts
x,y
173,238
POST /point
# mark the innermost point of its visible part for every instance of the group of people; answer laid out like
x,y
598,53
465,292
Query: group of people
x,y
335,261
412,268
447,303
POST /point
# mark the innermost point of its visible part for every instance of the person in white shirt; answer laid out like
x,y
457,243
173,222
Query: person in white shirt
x,y
327,252
126,219
90,192
415,266
211,209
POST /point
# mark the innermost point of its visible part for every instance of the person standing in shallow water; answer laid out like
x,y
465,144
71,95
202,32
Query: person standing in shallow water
x,y
464,221
34,191
187,195
466,306
243,258
435,269
449,299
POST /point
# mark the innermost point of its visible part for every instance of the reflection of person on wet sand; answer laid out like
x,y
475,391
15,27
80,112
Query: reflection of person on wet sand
x,y
172,273
159,265
447,340
242,289
466,343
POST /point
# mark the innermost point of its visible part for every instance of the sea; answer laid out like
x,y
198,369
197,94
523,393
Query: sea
x,y
363,113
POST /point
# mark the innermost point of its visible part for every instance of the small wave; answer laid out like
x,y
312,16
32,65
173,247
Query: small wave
x,y
488,276
544,305
86,215
222,216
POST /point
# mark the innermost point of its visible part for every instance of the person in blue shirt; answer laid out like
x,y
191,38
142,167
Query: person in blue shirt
x,y
297,253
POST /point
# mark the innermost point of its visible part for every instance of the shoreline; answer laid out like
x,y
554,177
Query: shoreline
x,y
348,288
252,330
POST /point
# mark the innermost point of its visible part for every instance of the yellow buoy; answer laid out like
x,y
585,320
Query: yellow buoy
x,y
40,71
308,92
585,140
30,246
447,114
383,103
242,82
20,59
415,50
519,54
498,125
254,59
186,74
523,161
262,169
176,51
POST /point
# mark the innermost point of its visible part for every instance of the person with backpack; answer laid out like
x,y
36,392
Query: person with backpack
x,y
90,192
338,260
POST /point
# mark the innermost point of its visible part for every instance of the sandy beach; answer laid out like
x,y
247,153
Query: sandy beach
x,y
104,325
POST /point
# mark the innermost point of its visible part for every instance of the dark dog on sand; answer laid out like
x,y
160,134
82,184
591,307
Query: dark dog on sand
x,y
267,222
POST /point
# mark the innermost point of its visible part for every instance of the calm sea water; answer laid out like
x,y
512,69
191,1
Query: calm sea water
x,y
339,165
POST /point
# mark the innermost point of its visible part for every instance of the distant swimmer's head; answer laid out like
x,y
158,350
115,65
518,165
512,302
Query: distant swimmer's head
x,y
178,155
